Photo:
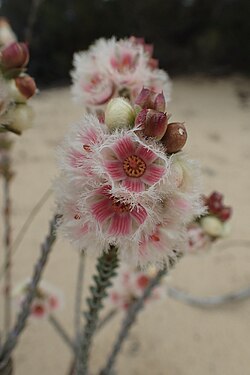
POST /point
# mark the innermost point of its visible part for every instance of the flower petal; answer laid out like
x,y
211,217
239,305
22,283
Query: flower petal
x,y
147,155
134,184
124,148
120,225
153,174
139,214
115,169
102,210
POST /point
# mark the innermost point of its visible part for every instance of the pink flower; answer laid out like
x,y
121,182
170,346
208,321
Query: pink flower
x,y
114,217
112,68
75,156
132,164
47,299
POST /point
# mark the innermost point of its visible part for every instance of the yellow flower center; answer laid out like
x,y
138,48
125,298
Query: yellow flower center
x,y
134,166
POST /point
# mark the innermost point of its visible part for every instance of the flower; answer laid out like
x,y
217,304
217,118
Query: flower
x,y
119,187
213,225
47,299
130,284
115,217
133,164
112,68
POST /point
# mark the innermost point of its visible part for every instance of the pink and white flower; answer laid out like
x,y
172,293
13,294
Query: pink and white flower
x,y
130,284
48,299
112,68
120,188
133,164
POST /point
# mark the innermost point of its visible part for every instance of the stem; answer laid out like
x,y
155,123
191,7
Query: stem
x,y
8,254
110,315
79,293
23,315
20,235
211,301
6,368
61,331
130,318
106,266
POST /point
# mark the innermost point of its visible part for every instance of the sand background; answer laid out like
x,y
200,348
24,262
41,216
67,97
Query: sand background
x,y
170,338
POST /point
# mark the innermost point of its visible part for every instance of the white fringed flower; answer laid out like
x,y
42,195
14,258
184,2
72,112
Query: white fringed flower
x,y
118,188
112,68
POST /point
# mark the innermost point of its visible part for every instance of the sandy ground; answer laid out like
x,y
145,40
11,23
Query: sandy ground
x,y
170,338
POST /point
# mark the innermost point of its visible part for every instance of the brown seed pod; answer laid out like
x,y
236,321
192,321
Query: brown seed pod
x,y
175,137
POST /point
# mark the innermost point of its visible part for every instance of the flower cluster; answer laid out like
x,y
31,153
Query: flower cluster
x,y
212,226
119,186
112,68
16,87
130,284
47,299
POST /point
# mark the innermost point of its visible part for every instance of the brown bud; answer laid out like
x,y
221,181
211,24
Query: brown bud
x,y
15,55
26,85
175,137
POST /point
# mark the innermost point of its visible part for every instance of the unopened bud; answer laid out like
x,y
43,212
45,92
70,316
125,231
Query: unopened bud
x,y
212,226
119,114
15,56
21,118
7,35
175,137
155,124
26,85
151,100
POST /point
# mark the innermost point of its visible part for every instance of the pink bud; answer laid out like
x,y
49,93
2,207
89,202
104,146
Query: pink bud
x,y
15,55
153,63
225,213
160,103
26,85
155,123
175,137
151,100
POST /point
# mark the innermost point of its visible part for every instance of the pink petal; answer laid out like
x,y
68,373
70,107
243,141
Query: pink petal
x,y
121,224
145,154
153,174
124,148
102,210
76,158
134,184
115,169
139,214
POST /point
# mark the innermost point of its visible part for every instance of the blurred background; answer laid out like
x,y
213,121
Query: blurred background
x,y
205,47
190,36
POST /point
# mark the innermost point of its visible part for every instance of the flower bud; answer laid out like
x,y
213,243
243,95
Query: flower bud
x,y
21,118
14,56
175,137
225,213
7,35
119,114
154,124
26,85
212,226
151,100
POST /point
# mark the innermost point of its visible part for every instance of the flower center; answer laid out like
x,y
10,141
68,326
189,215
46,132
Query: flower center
x,y
134,166
120,207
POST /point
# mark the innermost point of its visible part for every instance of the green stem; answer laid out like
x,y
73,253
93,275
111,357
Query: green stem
x,y
106,266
